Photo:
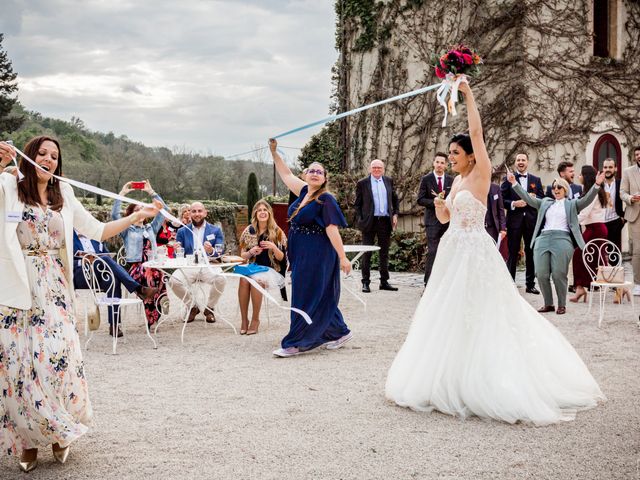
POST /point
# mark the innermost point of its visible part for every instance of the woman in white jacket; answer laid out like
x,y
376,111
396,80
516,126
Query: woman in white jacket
x,y
43,391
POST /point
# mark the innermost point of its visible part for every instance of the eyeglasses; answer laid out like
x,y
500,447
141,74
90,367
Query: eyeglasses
x,y
313,171
558,187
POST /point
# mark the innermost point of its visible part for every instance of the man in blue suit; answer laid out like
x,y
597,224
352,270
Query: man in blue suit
x,y
192,236
83,246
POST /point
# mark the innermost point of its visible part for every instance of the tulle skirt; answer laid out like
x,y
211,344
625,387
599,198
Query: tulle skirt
x,y
476,347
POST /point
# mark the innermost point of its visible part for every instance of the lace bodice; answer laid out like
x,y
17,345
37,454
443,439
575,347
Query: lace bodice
x,y
467,212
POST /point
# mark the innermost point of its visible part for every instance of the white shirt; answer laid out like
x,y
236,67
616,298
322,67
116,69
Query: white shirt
x,y
87,246
610,190
556,217
199,233
522,180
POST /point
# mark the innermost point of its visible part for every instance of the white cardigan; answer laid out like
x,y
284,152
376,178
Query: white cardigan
x,y
15,290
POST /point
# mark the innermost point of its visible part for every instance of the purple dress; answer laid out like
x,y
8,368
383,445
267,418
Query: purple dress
x,y
315,274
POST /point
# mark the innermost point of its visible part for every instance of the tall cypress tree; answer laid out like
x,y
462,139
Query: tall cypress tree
x,y
8,87
253,193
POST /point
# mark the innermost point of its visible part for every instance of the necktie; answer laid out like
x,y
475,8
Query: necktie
x,y
439,184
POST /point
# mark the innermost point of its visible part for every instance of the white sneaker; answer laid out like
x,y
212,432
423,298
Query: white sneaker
x,y
336,344
636,290
287,352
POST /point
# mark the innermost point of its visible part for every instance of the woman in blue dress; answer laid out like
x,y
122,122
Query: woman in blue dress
x,y
316,255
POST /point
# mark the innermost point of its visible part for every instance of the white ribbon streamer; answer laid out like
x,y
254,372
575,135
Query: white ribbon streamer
x,y
449,86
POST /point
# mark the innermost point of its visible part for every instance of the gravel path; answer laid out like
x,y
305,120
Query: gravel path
x,y
220,406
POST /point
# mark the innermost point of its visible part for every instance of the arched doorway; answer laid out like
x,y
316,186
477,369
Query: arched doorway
x,y
607,146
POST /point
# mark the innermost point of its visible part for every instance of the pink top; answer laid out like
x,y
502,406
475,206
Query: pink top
x,y
593,213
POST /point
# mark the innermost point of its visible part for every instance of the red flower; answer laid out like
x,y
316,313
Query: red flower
x,y
440,73
468,59
533,186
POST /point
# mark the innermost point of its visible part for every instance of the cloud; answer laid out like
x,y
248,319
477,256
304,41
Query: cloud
x,y
214,76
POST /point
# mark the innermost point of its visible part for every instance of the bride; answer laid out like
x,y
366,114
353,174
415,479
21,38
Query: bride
x,y
475,346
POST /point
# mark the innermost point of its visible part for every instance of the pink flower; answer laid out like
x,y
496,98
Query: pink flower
x,y
440,73
468,59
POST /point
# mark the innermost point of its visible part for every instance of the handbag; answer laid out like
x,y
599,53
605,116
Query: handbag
x,y
607,274
93,317
249,269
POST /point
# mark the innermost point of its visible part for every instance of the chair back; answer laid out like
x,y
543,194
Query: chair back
x,y
121,256
99,277
600,252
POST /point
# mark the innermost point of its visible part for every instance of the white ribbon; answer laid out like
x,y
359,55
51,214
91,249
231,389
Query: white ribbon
x,y
449,86
200,248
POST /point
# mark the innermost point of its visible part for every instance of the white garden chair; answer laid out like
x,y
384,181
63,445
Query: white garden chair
x,y
598,253
97,272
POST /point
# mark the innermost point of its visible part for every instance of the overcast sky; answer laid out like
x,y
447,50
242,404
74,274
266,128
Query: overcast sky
x,y
212,76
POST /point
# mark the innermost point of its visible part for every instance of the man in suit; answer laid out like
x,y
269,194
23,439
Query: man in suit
x,y
521,219
377,216
430,185
567,171
614,216
495,221
83,246
194,237
630,194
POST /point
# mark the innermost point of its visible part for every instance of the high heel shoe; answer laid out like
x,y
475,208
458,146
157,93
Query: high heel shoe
x,y
252,330
578,296
243,327
27,466
60,454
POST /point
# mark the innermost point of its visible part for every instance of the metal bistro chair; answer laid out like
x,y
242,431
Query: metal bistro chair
x,y
599,253
96,272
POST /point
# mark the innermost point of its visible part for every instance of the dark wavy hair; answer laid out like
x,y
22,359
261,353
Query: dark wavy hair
x,y
464,140
28,187
588,181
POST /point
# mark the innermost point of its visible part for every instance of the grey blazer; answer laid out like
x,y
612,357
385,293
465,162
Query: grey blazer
x,y
572,207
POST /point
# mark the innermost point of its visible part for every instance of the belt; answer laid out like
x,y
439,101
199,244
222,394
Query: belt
x,y
41,253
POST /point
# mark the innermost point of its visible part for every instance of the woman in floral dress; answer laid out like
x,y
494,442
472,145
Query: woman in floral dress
x,y
43,391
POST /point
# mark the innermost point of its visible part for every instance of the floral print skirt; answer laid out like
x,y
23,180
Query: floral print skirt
x,y
43,390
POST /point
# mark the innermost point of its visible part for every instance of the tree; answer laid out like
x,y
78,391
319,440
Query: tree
x,y
253,193
8,87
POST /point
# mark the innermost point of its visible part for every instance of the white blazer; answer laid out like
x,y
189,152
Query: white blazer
x,y
16,291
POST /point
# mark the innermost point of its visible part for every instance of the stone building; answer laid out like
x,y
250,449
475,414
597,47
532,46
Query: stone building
x,y
560,82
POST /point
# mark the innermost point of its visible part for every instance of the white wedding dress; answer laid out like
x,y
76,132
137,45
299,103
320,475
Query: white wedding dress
x,y
476,347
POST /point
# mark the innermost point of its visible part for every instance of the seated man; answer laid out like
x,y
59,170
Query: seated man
x,y
83,246
207,236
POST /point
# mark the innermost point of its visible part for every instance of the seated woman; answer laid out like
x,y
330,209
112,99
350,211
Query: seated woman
x,y
556,235
139,244
167,236
262,243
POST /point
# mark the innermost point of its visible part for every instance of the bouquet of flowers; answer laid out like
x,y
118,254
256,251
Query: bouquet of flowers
x,y
460,60
453,67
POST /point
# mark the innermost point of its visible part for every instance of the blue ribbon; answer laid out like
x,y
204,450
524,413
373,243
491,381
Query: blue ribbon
x,y
359,109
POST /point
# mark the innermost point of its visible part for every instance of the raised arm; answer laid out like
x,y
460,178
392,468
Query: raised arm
x,y
482,169
532,202
292,182
586,200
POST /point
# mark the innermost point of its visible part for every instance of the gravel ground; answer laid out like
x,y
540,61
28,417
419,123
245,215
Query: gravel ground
x,y
220,406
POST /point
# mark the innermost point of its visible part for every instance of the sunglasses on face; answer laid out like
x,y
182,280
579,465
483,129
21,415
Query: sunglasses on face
x,y
557,187
313,171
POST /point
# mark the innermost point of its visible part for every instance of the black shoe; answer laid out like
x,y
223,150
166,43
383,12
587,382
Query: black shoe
x,y
386,286
533,290
120,334
365,288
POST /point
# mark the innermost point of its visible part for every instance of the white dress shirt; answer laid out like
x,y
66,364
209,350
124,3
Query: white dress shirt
x,y
556,217
610,189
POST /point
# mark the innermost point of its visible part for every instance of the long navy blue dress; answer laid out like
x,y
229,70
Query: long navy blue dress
x,y
315,274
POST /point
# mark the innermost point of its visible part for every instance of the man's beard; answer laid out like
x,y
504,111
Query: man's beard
x,y
197,224
609,175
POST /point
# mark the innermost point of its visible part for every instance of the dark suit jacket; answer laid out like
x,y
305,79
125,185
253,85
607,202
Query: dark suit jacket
x,y
495,219
515,217
575,189
365,205
429,184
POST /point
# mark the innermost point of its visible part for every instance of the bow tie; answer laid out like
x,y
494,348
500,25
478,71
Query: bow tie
x,y
519,175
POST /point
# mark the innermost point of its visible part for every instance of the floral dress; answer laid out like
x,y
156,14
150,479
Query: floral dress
x,y
149,277
43,390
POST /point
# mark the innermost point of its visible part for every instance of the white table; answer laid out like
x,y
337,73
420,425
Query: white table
x,y
168,266
359,250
